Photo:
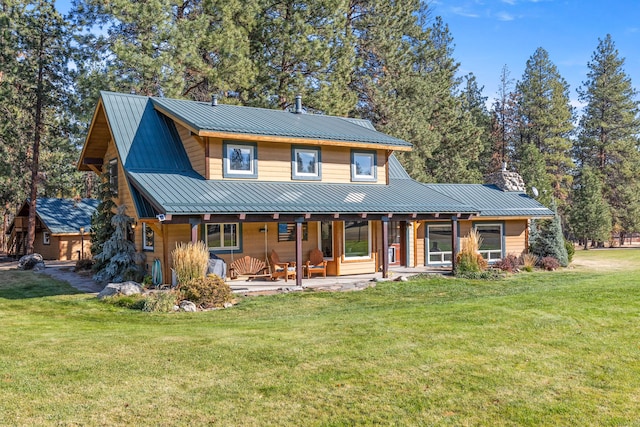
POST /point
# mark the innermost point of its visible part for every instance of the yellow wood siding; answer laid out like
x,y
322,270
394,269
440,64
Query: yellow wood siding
x,y
195,149
419,244
274,162
515,237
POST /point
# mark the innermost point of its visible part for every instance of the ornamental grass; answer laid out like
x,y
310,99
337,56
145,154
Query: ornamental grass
x,y
190,261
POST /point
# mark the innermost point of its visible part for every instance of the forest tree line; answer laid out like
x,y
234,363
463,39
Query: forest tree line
x,y
391,62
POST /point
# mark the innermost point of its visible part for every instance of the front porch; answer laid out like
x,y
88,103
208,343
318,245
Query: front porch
x,y
331,283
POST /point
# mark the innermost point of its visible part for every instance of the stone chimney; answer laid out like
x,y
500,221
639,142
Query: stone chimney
x,y
506,181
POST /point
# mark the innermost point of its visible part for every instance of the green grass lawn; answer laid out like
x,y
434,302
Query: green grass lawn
x,y
559,348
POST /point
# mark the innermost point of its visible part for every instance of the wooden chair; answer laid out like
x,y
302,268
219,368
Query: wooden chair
x,y
316,263
281,269
248,268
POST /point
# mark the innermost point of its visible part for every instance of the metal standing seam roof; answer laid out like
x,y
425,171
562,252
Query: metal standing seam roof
x,y
202,116
492,201
66,216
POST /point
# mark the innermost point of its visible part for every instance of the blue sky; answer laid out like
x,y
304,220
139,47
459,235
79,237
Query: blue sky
x,y
489,34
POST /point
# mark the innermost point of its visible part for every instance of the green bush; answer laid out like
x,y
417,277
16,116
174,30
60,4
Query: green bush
x,y
161,302
489,274
571,249
84,264
133,302
207,292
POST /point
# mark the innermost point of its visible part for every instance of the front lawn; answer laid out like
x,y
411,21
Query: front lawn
x,y
559,348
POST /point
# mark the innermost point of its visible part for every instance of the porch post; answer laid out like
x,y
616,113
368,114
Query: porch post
x,y
454,242
194,229
299,222
385,246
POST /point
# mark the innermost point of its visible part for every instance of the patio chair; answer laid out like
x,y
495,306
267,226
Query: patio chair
x,y
281,269
316,264
248,268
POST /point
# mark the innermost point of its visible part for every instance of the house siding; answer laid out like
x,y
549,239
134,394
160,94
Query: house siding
x,y
194,148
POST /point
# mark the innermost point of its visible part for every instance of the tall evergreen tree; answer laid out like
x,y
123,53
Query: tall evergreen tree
x,y
504,120
546,119
589,216
608,134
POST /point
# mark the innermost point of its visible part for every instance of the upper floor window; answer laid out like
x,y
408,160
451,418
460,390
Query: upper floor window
x,y
306,163
363,166
113,176
240,160
46,238
223,236
147,237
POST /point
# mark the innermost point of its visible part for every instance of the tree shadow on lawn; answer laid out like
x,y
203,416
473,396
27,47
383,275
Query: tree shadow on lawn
x,y
27,284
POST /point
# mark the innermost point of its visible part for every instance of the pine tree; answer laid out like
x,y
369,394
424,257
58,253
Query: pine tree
x,y
548,240
546,120
505,123
589,216
608,136
101,227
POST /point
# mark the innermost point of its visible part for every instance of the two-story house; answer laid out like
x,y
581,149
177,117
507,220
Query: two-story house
x,y
248,180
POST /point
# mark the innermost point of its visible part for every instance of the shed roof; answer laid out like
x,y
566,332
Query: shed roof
x,y
64,216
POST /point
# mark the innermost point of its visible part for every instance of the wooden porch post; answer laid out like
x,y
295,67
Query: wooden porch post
x,y
194,229
454,242
385,246
299,222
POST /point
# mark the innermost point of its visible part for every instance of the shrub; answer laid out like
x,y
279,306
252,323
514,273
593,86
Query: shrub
x,y
161,301
549,263
133,302
571,249
190,261
84,264
490,274
529,261
207,292
469,260
509,263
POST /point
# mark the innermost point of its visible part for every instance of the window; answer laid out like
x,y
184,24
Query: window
x,y
113,176
491,247
147,237
222,237
46,238
439,244
305,163
287,232
240,160
357,243
363,166
326,239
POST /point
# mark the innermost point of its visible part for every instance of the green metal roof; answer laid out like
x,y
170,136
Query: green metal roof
x,y
184,194
66,216
202,116
492,201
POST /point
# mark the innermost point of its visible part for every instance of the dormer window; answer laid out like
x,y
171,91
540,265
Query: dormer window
x,y
240,160
363,166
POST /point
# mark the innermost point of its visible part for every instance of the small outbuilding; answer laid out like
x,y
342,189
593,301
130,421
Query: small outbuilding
x,y
62,229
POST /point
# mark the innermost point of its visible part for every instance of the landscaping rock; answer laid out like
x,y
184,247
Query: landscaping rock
x,y
401,279
227,305
31,262
188,306
125,288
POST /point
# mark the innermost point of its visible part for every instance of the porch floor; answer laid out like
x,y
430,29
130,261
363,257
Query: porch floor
x,y
330,283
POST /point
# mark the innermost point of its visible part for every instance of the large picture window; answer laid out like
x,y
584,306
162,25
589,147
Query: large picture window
x,y
223,237
439,244
363,166
306,163
357,241
240,160
491,247
147,237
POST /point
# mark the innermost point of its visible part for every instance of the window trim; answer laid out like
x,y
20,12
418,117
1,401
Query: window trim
x,y
374,167
344,243
227,172
295,175
428,245
145,246
46,238
223,249
502,241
